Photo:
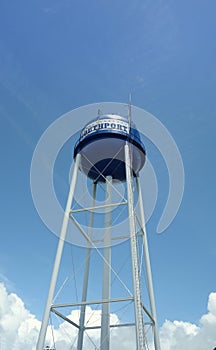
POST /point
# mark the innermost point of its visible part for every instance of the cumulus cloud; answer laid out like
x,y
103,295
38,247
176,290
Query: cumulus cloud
x,y
180,335
19,329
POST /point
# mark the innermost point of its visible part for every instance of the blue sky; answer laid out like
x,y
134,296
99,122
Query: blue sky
x,y
58,55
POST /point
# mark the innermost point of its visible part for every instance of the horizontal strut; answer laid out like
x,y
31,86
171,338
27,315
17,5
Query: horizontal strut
x,y
116,300
98,207
112,326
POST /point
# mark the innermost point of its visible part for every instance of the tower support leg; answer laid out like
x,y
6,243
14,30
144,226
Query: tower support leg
x,y
44,325
105,321
148,266
140,336
86,275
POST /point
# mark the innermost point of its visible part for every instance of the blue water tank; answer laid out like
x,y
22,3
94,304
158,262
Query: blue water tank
x,y
101,145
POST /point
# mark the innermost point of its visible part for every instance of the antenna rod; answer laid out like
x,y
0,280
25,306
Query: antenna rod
x,y
129,109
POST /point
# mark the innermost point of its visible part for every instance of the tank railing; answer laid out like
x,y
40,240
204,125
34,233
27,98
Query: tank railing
x,y
133,135
99,131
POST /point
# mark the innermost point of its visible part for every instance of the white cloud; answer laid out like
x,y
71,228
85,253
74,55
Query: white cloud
x,y
19,329
180,335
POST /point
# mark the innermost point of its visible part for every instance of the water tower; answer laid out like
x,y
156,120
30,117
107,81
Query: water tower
x,y
109,151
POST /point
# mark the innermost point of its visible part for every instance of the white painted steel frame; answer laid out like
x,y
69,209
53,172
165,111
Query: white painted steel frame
x,y
86,275
44,325
148,267
139,307
139,322
105,320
